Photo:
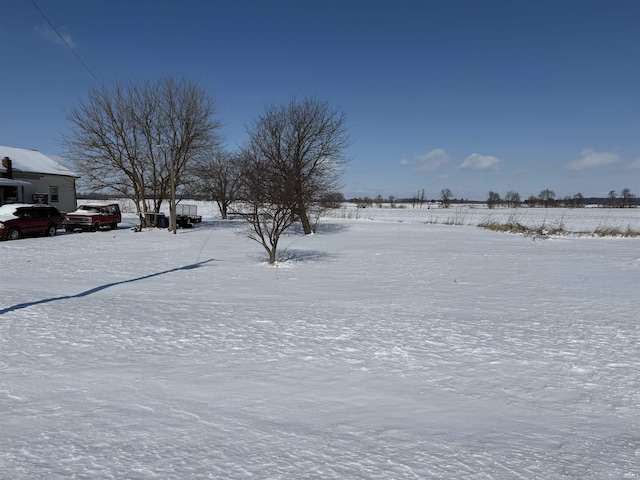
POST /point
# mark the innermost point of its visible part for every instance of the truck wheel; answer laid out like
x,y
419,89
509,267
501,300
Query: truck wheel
x,y
114,226
14,234
52,230
95,227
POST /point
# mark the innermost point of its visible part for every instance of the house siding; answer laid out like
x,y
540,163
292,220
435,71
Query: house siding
x,y
42,183
41,186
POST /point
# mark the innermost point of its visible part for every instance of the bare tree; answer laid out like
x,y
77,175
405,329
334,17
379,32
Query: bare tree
x,y
138,140
512,199
332,200
219,179
547,198
304,143
577,200
445,197
267,204
365,202
627,197
493,200
613,198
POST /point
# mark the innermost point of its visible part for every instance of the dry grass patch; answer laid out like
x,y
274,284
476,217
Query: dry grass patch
x,y
507,227
514,225
616,232
544,230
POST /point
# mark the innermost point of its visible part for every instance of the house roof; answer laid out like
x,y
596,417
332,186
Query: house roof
x,y
32,161
10,182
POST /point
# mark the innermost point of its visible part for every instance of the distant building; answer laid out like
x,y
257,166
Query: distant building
x,y
28,176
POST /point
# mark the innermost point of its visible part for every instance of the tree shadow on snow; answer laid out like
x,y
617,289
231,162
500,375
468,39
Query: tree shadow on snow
x,y
293,255
101,287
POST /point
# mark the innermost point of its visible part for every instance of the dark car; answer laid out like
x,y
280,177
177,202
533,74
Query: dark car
x,y
20,219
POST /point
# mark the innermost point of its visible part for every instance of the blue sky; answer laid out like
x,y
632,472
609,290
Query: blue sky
x,y
471,95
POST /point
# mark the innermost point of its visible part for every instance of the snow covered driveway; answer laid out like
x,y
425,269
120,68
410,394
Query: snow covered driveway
x,y
379,350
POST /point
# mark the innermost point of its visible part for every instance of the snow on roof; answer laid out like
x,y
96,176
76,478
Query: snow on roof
x,y
9,182
32,161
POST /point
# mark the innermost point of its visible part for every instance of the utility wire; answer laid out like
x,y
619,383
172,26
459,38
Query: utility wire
x,y
86,67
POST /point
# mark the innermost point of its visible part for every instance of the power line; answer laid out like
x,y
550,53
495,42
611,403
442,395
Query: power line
x,y
86,67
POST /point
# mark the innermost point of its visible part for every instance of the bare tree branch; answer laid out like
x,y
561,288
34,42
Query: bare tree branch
x,y
304,142
117,134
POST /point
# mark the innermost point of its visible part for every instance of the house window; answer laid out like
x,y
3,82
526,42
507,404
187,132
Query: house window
x,y
53,193
10,194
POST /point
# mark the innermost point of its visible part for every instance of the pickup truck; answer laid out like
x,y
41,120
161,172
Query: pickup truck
x,y
92,217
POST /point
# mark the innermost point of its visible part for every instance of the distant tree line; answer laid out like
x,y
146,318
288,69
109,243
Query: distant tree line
x,y
418,201
546,199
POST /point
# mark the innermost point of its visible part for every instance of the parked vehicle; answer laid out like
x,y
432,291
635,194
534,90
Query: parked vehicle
x,y
20,219
92,217
187,215
153,219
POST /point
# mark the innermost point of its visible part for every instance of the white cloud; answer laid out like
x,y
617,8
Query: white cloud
x,y
59,37
478,162
590,159
430,161
635,164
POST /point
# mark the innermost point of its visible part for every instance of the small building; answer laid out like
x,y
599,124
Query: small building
x,y
28,176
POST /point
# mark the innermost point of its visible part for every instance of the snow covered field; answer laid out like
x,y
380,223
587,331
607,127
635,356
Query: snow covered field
x,y
577,220
387,346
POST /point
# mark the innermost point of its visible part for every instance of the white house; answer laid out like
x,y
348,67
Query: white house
x,y
29,176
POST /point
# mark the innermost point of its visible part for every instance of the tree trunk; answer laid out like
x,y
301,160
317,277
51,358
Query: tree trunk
x,y
306,224
304,220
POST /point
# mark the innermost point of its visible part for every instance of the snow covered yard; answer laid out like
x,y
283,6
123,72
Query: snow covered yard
x,y
384,347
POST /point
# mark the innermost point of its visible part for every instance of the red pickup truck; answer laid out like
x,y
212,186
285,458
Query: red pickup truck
x,y
92,217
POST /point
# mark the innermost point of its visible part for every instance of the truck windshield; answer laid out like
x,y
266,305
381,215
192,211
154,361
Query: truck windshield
x,y
89,209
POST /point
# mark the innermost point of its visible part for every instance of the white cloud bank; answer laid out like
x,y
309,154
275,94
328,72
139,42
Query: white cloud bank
x,y
478,162
56,37
590,159
635,164
429,161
